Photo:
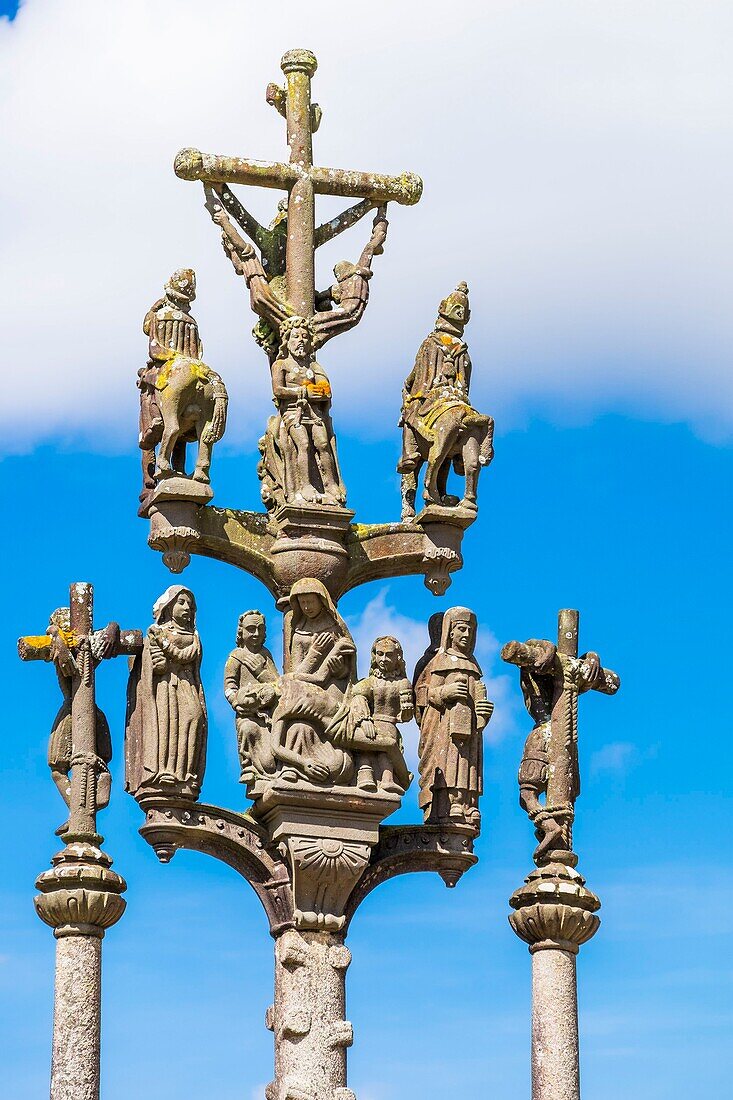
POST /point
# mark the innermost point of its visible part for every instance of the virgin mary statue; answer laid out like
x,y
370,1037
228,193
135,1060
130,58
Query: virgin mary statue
x,y
165,744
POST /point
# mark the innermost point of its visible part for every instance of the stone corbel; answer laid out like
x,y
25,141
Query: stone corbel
x,y
233,838
323,871
404,849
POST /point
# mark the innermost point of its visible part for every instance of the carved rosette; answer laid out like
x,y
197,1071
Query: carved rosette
x,y
327,837
80,895
554,910
324,871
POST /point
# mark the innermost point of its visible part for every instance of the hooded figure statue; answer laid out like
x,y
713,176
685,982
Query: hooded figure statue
x,y
166,719
452,710
316,688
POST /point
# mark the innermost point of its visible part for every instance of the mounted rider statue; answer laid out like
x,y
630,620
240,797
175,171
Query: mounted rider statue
x,y
440,427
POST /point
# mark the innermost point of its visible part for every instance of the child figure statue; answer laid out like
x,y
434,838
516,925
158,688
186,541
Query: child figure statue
x,y
378,703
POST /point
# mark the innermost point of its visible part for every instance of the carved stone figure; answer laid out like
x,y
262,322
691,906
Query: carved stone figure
x,y
378,703
271,241
251,686
299,463
167,723
435,630
60,745
552,677
452,711
313,709
440,426
343,305
182,400
339,308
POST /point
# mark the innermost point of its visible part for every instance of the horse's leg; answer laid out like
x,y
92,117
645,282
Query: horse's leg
x,y
203,455
171,432
408,487
442,479
446,429
471,450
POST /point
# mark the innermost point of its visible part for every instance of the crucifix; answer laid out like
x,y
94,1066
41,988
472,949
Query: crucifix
x,y
80,895
552,678
554,912
301,179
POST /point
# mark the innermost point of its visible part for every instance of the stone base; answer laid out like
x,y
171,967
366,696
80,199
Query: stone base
x,y
182,488
80,894
554,910
174,531
301,519
310,541
327,837
457,515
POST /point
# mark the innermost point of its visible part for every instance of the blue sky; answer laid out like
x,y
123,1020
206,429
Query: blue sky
x,y
600,341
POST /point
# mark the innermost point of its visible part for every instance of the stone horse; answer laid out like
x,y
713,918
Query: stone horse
x,y
193,408
451,433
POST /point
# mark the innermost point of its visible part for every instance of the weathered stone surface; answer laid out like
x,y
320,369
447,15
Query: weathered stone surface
x,y
552,678
308,1018
166,727
554,912
80,896
182,400
555,1064
76,1019
452,712
440,427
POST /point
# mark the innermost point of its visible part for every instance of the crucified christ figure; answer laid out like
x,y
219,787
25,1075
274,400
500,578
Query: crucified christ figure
x,y
339,308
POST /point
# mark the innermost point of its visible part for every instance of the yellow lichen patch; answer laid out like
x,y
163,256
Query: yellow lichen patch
x,y
197,368
321,388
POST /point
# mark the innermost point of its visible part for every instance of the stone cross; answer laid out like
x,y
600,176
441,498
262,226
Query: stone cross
x,y
554,912
570,676
300,177
87,648
80,895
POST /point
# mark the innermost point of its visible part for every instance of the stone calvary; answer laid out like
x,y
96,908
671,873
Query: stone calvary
x,y
320,748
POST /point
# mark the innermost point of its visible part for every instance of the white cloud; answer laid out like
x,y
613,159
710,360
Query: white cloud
x,y
615,758
577,163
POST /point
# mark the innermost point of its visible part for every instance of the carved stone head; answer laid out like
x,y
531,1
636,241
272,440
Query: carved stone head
x,y
455,307
181,287
61,619
296,338
388,660
251,631
459,631
177,605
309,598
280,217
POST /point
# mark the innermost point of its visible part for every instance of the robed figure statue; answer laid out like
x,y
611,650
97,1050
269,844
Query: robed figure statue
x,y
452,710
166,720
251,687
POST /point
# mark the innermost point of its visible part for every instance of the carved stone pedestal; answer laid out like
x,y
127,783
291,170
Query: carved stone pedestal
x,y
554,913
80,898
174,530
326,836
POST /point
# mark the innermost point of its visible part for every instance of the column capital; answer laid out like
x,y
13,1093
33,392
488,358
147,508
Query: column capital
x,y
299,61
80,894
554,910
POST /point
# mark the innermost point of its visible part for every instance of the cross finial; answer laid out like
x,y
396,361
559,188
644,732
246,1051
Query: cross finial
x,y
300,177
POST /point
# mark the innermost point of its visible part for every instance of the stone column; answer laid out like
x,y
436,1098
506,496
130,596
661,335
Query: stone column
x,y
80,898
308,1017
554,913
